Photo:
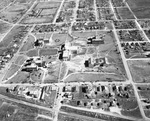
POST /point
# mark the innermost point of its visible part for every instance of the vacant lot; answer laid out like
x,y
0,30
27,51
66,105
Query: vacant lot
x,y
32,53
140,70
84,34
47,12
124,13
47,5
67,117
5,3
20,59
32,20
28,45
138,3
16,31
21,112
82,77
47,52
37,76
11,71
52,75
92,114
63,71
20,77
14,12
140,8
24,1
141,12
4,27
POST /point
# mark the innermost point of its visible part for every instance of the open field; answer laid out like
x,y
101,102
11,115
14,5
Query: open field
x,y
63,71
4,27
18,32
5,3
20,60
64,117
47,5
92,114
124,13
52,75
20,77
91,77
11,71
83,34
21,112
58,39
42,12
140,70
14,12
37,76
32,53
29,44
140,8
138,3
47,52
24,1
141,13
37,20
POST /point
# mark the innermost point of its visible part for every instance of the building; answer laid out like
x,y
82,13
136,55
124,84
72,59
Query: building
x,y
95,41
66,55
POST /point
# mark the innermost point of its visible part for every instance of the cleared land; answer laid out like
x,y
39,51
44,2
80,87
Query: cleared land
x,y
140,70
11,71
21,112
28,45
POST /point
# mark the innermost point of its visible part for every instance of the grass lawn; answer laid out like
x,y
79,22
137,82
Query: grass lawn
x,y
11,71
37,76
28,45
141,12
53,73
4,27
84,34
47,52
125,13
59,39
63,71
135,113
32,53
82,77
11,35
14,12
21,77
20,60
138,3
140,70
